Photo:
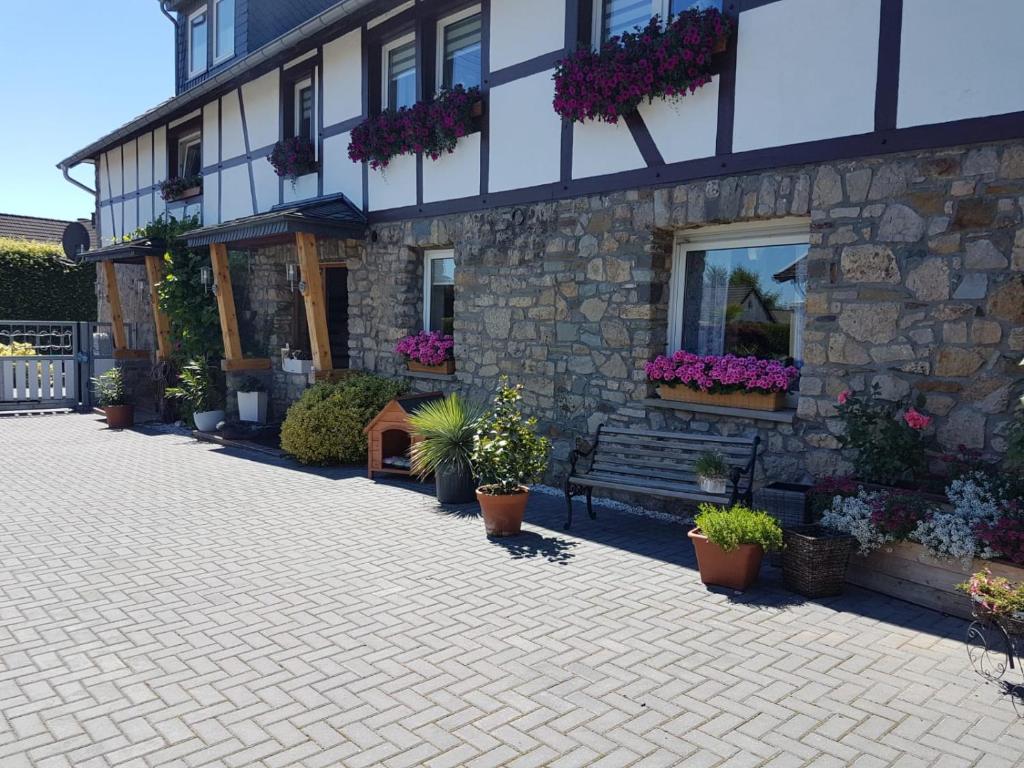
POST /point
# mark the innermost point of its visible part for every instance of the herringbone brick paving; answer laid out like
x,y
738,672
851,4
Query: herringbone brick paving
x,y
168,604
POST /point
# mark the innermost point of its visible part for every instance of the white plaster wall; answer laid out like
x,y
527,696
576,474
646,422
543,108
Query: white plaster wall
x,y
262,109
340,173
395,186
104,177
146,214
160,155
211,190
805,70
131,168
343,78
304,188
106,226
599,148
526,134
524,29
267,187
114,168
211,134
236,197
145,160
687,128
960,60
456,175
232,140
131,215
117,216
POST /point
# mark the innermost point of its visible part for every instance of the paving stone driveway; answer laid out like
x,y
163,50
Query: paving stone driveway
x,y
167,603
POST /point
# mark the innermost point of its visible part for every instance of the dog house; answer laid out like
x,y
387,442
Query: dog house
x,y
389,436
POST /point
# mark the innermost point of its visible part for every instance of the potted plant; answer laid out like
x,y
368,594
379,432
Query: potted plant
x,y
447,431
730,544
198,390
112,396
507,454
712,472
428,352
296,361
997,599
252,400
293,157
181,187
727,380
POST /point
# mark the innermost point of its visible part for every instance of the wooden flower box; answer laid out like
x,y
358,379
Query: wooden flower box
x,y
447,368
758,401
907,571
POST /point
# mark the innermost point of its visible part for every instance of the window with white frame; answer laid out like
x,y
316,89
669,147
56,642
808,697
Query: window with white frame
x,y
613,17
458,49
223,30
303,109
439,291
741,290
399,68
190,155
197,42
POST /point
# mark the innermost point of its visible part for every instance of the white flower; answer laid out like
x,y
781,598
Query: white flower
x,y
852,515
950,533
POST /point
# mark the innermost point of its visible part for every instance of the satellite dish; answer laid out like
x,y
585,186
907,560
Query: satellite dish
x,y
75,240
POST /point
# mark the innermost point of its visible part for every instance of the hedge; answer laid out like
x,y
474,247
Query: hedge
x,y
38,283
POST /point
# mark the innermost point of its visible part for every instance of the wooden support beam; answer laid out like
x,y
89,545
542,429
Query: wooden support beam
x,y
163,325
315,300
225,302
114,299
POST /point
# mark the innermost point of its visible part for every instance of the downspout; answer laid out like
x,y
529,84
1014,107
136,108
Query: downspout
x,y
67,177
165,12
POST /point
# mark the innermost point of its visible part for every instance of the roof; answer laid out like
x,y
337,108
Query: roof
x,y
128,252
409,403
279,49
38,229
332,216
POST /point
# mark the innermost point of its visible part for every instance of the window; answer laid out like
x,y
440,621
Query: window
x,y
302,124
223,30
741,291
399,73
439,291
613,17
458,50
197,42
189,155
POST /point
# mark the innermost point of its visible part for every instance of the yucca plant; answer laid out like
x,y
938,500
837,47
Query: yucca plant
x,y
447,428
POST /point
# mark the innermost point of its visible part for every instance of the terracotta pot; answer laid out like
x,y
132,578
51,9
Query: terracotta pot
x,y
120,416
503,514
737,569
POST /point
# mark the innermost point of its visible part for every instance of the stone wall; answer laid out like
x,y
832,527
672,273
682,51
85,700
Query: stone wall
x,y
915,283
133,288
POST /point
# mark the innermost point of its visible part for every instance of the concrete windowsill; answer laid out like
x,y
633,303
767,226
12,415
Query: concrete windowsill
x,y
785,416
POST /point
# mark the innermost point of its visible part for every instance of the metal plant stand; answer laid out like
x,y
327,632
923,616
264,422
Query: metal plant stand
x,y
995,647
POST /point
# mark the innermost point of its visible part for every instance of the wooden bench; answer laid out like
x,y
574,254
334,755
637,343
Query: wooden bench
x,y
657,464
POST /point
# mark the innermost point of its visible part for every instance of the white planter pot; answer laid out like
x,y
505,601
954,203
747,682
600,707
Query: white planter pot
x,y
252,406
207,421
712,485
288,365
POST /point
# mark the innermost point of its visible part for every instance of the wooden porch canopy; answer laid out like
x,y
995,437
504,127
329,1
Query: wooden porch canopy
x,y
148,251
333,216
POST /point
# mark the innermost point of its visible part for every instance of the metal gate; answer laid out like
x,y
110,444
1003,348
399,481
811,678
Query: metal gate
x,y
43,365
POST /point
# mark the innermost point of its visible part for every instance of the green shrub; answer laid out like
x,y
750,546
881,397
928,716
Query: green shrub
x,y
508,452
38,283
325,426
199,387
110,388
728,528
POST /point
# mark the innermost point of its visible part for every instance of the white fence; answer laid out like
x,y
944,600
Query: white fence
x,y
38,379
41,365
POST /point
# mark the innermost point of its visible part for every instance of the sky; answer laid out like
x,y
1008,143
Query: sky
x,y
71,71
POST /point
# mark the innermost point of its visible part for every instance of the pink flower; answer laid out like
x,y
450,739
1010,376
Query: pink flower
x,y
844,396
916,420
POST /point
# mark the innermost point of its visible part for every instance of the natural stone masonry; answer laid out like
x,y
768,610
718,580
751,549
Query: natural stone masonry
x,y
172,605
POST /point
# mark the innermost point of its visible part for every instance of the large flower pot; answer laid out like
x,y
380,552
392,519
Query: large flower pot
x,y
758,401
120,416
252,406
207,421
736,569
503,514
446,368
454,487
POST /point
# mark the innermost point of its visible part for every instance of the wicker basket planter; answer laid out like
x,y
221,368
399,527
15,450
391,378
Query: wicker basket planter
x,y
757,401
814,560
447,368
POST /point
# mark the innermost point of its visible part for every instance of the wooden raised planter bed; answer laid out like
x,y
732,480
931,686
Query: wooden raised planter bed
x,y
758,401
908,572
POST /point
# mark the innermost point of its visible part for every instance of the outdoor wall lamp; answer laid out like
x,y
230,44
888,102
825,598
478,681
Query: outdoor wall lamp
x,y
205,277
291,272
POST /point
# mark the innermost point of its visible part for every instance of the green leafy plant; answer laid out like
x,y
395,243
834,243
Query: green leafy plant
x,y
172,189
448,431
325,426
507,451
712,465
197,387
889,448
251,384
729,528
994,595
110,388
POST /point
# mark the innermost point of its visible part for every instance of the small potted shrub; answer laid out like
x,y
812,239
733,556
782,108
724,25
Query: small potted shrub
x,y
507,455
252,400
296,361
112,396
447,431
428,352
730,544
198,391
712,472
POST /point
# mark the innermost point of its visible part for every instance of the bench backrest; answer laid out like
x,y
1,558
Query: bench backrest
x,y
665,456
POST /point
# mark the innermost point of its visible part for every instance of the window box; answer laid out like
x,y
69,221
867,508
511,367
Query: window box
x,y
179,188
447,368
757,401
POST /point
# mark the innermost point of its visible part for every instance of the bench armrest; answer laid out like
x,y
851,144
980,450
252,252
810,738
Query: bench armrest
x,y
582,450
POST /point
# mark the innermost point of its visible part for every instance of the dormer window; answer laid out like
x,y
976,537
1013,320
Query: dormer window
x,y
613,17
197,42
399,67
223,30
458,49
